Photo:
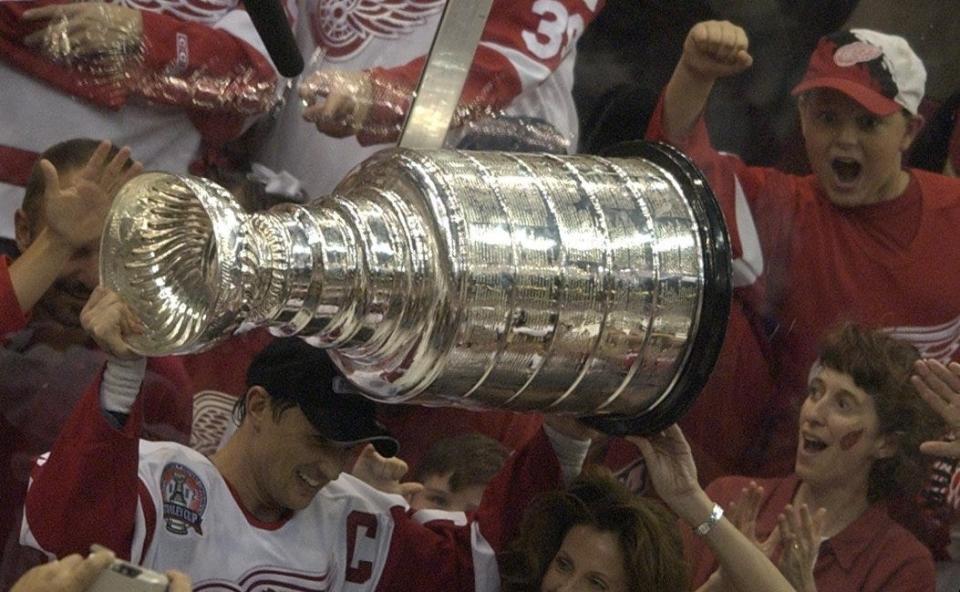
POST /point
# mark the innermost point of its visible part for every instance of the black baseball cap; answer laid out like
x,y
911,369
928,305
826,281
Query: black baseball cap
x,y
290,369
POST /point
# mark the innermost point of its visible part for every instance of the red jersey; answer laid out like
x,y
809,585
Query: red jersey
x,y
871,554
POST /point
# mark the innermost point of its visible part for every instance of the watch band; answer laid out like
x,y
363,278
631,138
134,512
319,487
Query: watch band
x,y
715,515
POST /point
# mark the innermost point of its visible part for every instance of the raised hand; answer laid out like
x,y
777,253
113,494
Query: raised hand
x,y
801,545
337,101
84,29
75,214
743,514
714,49
384,474
109,322
670,463
939,386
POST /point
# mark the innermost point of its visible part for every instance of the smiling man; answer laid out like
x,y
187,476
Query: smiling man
x,y
273,507
861,238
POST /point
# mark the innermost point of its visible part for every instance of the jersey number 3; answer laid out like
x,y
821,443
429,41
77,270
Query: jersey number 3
x,y
547,42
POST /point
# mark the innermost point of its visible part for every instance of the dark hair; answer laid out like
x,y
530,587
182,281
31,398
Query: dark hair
x,y
295,373
647,532
470,459
277,407
882,366
65,156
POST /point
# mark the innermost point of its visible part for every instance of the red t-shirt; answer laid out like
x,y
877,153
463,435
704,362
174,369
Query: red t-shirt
x,y
872,553
804,265
12,317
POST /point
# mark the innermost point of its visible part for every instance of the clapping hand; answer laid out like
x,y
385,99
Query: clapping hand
x,y
743,514
939,386
801,532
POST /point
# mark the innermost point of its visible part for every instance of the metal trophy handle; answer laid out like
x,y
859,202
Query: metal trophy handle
x,y
579,284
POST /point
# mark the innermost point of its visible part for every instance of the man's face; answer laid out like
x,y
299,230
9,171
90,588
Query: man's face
x,y
65,299
294,460
839,434
855,154
438,495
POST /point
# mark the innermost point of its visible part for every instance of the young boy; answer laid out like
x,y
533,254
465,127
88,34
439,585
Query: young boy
x,y
861,239
455,472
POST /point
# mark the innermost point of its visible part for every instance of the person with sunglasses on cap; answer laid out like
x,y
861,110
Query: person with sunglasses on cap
x,y
862,238
273,507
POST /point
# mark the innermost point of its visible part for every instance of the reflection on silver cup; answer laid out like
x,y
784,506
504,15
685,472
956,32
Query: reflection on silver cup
x,y
579,284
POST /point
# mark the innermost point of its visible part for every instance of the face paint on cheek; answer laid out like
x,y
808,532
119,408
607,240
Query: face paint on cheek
x,y
850,439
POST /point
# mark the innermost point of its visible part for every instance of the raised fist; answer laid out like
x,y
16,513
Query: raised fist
x,y
714,49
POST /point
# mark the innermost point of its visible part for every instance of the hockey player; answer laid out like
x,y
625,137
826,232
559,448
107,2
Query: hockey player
x,y
373,55
271,507
160,77
46,358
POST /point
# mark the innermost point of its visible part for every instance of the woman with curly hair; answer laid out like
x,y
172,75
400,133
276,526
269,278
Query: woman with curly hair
x,y
598,535
860,429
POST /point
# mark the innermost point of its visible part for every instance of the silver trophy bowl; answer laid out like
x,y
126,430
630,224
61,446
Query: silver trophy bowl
x,y
592,286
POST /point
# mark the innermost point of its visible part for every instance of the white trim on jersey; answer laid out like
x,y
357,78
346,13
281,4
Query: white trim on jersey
x,y
26,535
749,266
11,196
486,572
141,529
238,24
530,71
940,342
424,516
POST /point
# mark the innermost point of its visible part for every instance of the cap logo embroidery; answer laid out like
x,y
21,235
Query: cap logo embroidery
x,y
856,53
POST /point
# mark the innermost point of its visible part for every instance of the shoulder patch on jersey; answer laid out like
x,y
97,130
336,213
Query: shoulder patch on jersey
x,y
344,27
184,499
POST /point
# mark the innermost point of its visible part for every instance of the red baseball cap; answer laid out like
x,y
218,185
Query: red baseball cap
x,y
879,71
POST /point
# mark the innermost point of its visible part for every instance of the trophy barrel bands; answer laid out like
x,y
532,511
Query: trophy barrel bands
x,y
585,285
573,284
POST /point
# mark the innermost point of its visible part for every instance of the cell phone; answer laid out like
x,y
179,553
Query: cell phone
x,y
123,576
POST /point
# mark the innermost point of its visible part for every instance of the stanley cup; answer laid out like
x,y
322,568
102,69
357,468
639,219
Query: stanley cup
x,y
598,287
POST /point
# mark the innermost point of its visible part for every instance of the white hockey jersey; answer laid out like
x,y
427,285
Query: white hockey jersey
x,y
523,66
167,506
43,102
